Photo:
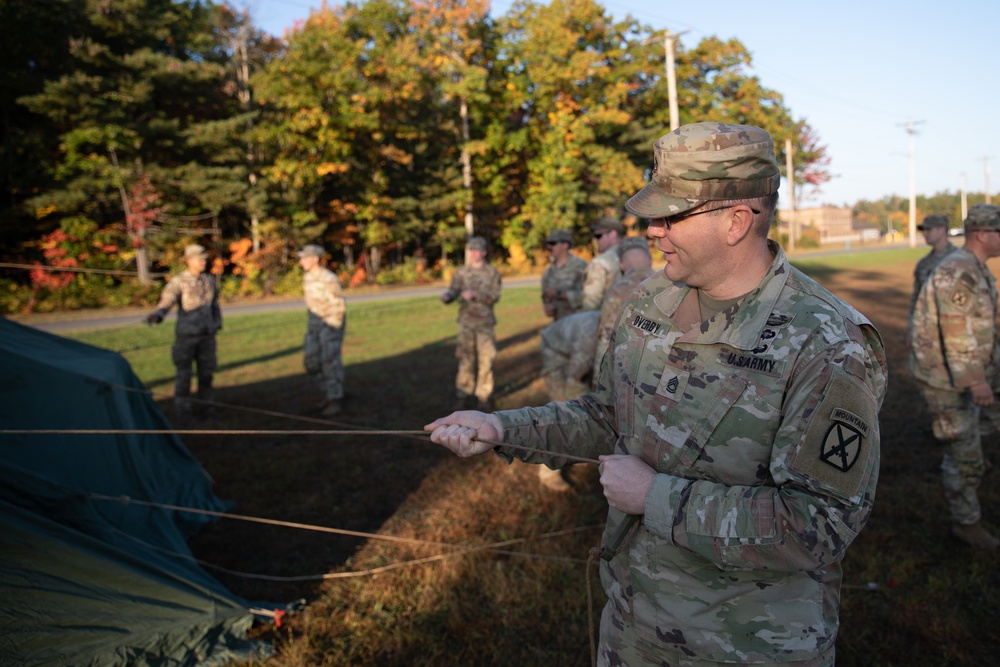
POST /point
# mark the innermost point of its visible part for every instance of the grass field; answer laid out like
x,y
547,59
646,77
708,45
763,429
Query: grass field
x,y
913,596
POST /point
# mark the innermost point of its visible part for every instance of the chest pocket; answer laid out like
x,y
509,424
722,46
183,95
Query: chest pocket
x,y
681,422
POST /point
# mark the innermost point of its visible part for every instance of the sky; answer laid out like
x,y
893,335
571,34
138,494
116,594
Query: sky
x,y
858,71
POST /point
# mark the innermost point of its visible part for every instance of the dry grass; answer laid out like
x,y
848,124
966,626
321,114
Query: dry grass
x,y
934,602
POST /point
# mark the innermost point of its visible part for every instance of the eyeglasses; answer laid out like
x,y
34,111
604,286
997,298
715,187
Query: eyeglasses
x,y
551,243
599,235
673,220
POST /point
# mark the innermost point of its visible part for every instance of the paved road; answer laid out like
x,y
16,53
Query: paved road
x,y
123,319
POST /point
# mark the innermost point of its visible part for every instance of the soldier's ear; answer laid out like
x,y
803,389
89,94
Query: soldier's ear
x,y
740,220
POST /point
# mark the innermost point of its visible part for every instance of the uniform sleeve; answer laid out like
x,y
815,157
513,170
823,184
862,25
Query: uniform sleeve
x,y
455,288
489,293
336,305
169,297
824,467
594,286
574,295
961,340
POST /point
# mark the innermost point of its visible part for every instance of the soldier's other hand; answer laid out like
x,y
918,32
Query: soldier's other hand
x,y
153,318
626,481
460,431
469,294
549,309
446,297
982,394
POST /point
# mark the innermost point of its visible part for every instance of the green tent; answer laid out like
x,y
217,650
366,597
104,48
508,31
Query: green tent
x,y
85,581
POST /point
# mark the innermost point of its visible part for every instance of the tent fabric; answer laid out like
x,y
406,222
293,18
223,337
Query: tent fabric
x,y
85,581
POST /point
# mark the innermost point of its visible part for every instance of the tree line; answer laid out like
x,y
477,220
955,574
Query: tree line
x,y
380,129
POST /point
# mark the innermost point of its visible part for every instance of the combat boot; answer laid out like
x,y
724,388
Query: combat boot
x,y
332,408
975,536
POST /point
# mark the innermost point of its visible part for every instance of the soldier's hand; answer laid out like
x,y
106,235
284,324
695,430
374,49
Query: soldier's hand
x,y
469,294
153,318
982,394
626,481
549,309
459,431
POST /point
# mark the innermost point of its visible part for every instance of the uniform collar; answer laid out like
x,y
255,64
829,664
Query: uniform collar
x,y
741,325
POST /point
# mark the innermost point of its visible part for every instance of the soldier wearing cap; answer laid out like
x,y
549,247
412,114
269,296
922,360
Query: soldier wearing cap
x,y
954,357
562,281
935,230
603,269
325,329
199,319
736,420
476,286
636,265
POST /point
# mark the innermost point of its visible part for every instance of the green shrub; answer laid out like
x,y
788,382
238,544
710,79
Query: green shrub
x,y
14,298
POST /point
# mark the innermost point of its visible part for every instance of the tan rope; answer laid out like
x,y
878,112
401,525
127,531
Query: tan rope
x,y
165,431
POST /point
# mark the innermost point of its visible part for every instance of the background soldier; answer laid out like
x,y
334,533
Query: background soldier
x,y
325,329
954,357
198,320
935,230
636,265
603,269
736,421
562,281
477,288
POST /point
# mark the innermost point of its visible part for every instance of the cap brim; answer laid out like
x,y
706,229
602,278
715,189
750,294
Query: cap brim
x,y
652,202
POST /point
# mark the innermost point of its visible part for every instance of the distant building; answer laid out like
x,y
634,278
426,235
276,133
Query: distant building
x,y
835,225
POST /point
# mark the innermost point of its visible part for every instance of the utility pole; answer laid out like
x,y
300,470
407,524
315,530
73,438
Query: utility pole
x,y
986,174
668,65
913,183
790,176
965,200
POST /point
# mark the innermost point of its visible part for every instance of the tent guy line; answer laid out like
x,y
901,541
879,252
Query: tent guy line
x,y
166,431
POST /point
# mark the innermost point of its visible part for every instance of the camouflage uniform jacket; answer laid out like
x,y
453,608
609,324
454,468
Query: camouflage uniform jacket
x,y
575,338
612,306
952,329
567,280
602,271
197,301
762,424
324,297
924,268
485,280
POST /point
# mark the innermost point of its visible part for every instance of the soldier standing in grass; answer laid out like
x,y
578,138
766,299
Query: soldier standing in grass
x,y
954,356
603,270
935,230
325,329
477,288
736,420
199,319
562,281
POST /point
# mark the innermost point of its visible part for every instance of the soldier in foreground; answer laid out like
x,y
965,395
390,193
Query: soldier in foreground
x,y
477,287
954,357
736,420
562,281
325,330
199,319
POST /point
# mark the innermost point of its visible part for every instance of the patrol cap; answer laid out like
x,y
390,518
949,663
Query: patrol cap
x,y
932,221
703,162
560,236
311,250
476,243
194,250
633,243
608,224
983,216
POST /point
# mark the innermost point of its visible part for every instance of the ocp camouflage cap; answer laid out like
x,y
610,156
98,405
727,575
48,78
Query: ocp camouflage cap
x,y
195,250
476,243
608,224
983,216
559,236
311,250
703,162
633,243
932,221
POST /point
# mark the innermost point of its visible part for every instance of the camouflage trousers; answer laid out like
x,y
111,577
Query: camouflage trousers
x,y
566,375
620,646
322,357
198,350
955,422
476,350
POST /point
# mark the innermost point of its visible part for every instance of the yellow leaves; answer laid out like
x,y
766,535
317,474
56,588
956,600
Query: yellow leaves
x,y
45,211
331,168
